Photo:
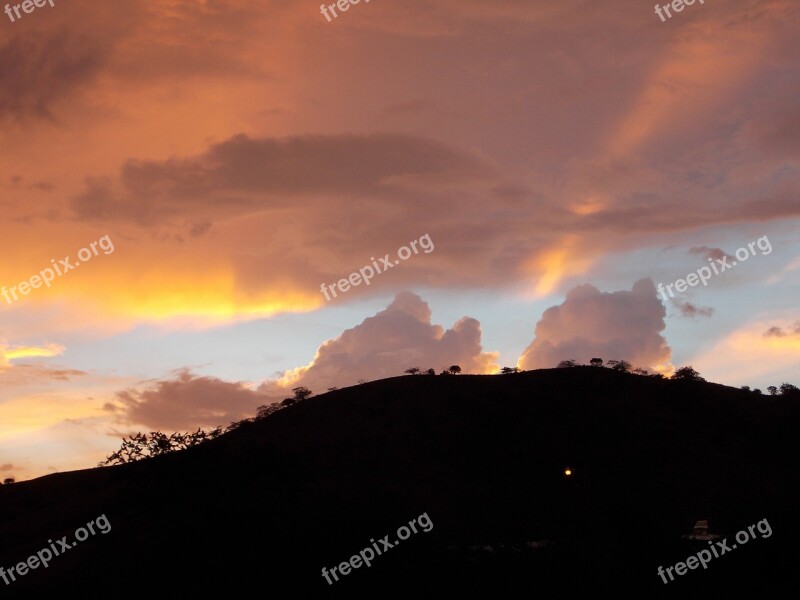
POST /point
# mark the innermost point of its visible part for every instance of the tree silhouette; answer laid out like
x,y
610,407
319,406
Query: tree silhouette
x,y
596,362
430,372
300,394
773,391
454,369
564,364
412,371
143,445
687,374
621,365
264,411
509,370
787,389
8,481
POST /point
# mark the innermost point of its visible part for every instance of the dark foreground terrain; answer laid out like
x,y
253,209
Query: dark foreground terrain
x,y
270,504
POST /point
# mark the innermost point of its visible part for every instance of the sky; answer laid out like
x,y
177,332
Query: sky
x,y
186,183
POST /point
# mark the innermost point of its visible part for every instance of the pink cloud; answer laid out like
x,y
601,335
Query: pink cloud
x,y
612,325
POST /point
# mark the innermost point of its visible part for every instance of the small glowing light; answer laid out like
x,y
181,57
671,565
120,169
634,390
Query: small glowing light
x,y
567,472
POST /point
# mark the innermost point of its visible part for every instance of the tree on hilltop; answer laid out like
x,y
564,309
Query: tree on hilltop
x,y
789,390
622,366
687,374
300,394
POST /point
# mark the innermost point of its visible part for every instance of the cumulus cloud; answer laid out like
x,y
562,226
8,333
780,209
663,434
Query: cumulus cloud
x,y
7,467
384,345
620,325
186,402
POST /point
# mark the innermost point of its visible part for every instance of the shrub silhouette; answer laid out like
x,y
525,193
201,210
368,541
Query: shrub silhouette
x,y
621,365
148,445
301,393
264,410
687,374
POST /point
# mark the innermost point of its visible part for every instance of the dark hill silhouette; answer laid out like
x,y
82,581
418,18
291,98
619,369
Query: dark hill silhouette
x,y
271,503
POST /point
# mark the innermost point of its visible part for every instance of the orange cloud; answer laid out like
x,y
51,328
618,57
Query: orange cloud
x,y
748,354
186,402
703,64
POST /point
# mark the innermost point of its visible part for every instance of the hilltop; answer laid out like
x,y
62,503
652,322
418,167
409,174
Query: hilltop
x,y
276,500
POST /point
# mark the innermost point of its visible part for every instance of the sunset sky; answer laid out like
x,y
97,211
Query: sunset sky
x,y
563,157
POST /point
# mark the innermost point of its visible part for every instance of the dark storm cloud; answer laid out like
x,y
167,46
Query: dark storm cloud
x,y
41,70
244,174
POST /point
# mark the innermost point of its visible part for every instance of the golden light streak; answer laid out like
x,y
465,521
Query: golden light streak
x,y
8,353
566,259
589,206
